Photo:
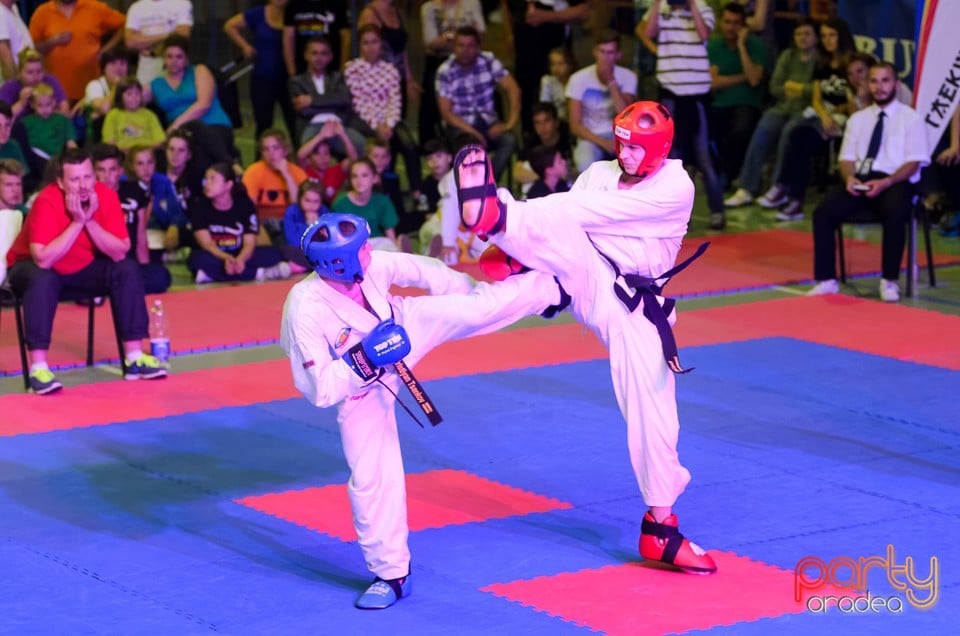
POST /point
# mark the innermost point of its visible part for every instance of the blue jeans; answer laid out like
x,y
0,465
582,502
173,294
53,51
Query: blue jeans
x,y
773,128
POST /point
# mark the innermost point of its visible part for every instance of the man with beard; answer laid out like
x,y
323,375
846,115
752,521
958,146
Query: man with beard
x,y
883,149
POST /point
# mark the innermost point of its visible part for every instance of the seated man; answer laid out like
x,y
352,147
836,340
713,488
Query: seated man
x,y
75,238
884,147
344,331
320,94
618,230
466,85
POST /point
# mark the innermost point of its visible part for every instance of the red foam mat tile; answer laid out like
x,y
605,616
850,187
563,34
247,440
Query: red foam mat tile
x,y
435,499
646,598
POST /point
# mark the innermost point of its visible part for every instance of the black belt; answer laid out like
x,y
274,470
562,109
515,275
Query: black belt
x,y
647,289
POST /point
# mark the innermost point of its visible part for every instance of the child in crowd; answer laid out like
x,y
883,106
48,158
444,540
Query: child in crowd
x,y
298,217
167,228
184,174
374,207
439,161
551,169
48,132
548,130
225,226
388,181
273,181
317,159
129,123
553,85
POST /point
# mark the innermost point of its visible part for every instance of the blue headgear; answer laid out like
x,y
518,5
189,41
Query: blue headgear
x,y
332,246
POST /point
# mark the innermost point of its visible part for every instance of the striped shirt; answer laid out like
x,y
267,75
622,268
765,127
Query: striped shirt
x,y
375,89
471,90
682,64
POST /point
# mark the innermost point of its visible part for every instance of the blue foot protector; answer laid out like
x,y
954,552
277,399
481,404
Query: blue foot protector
x,y
382,594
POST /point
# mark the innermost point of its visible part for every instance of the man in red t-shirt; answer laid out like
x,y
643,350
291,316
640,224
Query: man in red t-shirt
x,y
75,238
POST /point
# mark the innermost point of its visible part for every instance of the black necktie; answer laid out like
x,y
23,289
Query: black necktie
x,y
875,137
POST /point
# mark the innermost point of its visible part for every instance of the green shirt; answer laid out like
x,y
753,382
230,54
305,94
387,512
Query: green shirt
x,y
791,68
378,212
11,150
728,62
49,135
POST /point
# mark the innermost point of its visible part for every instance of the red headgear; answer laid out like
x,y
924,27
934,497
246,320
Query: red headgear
x,y
646,124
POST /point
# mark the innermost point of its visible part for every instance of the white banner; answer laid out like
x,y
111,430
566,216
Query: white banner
x,y
937,86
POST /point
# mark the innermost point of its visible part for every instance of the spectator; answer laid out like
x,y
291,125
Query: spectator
x,y
539,27
552,172
183,172
70,35
225,227
553,85
11,208
884,148
374,207
594,95
10,148
548,130
439,20
320,95
792,86
14,37
466,86
149,22
98,96
946,177
167,226
831,105
393,36
376,91
273,181
75,238
135,202
187,95
681,30
47,132
388,182
268,81
129,123
439,161
16,91
300,215
320,164
305,20
738,63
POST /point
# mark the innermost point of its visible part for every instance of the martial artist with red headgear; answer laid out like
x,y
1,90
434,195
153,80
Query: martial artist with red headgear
x,y
345,334
612,242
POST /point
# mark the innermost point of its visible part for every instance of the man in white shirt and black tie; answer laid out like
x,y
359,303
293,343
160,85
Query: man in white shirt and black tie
x,y
884,147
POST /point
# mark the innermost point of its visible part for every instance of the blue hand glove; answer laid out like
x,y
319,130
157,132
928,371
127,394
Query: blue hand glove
x,y
386,344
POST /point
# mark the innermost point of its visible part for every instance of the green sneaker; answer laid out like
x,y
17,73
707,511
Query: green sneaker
x,y
146,368
43,382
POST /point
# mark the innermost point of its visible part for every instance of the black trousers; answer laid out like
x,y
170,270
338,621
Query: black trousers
x,y
805,141
41,288
213,267
264,93
731,128
891,208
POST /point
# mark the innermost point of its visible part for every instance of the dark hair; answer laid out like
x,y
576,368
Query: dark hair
x,y
132,156
367,161
123,86
310,185
861,56
544,107
181,133
542,157
735,8
604,36
567,54
175,40
885,64
277,134
224,170
11,166
370,27
5,109
103,152
116,53
807,22
318,39
468,31
71,157
437,144
845,43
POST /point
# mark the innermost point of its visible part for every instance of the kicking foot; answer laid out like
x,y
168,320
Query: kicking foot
x,y
481,212
663,542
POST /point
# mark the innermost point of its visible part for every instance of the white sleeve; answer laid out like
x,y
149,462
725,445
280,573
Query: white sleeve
x,y
422,272
134,14
185,14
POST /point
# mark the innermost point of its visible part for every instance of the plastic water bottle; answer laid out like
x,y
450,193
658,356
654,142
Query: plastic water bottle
x,y
159,333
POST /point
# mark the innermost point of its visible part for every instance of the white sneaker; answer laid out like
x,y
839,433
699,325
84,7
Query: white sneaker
x,y
829,286
278,272
774,198
202,277
792,211
889,291
739,198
